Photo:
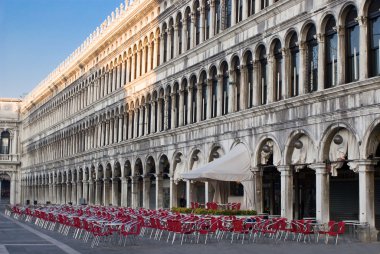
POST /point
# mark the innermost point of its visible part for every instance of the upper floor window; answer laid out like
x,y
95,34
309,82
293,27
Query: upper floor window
x,y
352,45
374,40
331,51
4,142
312,60
294,62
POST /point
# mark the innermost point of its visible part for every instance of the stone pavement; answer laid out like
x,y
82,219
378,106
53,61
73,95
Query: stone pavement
x,y
20,237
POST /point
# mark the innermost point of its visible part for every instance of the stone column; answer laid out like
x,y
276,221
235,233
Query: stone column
x,y
219,96
245,9
149,64
270,82
138,64
153,115
127,69
136,118
125,126
115,192
133,66
209,99
258,183
173,111
120,136
192,31
233,12
106,191
188,194
63,194
68,192
143,53
79,191
116,129
98,192
341,56
74,193
173,194
135,192
146,192
321,61
162,47
124,191
54,196
130,125
286,191
363,48
169,46
367,198
232,91
123,81
181,108
322,189
202,24
115,76
107,130
88,191
302,68
190,105
176,41
244,87
285,69
159,192
155,53
212,18
184,34
199,103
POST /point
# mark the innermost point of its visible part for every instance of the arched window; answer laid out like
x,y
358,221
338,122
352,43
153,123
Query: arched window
x,y
143,112
203,81
188,28
162,111
197,23
251,7
4,142
193,105
277,52
331,51
294,63
312,60
185,102
227,11
207,19
146,57
165,42
149,116
264,4
236,70
374,38
138,121
176,91
263,75
225,84
352,45
238,10
214,92
172,41
249,63
158,50
151,54
218,15
179,34
169,112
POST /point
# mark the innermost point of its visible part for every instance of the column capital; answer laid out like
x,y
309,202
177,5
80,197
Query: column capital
x,y
366,165
362,20
320,168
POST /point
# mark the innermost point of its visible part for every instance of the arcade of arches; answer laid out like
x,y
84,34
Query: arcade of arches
x,y
163,87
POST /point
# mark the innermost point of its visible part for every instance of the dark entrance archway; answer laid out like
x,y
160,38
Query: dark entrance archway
x,y
5,188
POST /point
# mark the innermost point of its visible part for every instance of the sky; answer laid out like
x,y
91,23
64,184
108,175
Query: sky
x,y
37,35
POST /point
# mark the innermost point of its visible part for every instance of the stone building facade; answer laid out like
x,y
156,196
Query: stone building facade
x,y
10,159
162,87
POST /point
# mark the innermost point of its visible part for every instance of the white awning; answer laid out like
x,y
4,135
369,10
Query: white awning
x,y
234,166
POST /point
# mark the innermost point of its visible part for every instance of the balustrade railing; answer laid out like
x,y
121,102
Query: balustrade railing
x,y
9,157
